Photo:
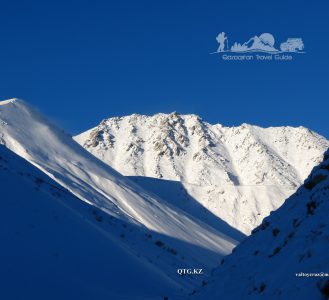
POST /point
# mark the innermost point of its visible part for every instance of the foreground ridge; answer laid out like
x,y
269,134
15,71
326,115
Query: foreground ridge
x,y
286,257
153,231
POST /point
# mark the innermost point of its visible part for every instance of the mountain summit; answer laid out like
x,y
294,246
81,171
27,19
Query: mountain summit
x,y
239,173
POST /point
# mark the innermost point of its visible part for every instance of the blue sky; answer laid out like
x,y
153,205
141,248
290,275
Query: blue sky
x,y
82,61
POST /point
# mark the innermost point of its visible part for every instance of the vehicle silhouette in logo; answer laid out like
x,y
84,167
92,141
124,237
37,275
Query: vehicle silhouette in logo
x,y
292,45
262,43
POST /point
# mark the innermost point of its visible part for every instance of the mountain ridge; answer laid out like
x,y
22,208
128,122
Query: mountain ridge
x,y
52,243
286,256
167,236
208,159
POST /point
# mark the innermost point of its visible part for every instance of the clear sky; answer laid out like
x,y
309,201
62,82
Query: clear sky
x,y
82,61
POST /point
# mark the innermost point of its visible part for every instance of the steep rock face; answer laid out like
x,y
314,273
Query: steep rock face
x,y
234,172
287,256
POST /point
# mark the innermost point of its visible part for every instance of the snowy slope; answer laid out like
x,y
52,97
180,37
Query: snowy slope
x,y
291,244
53,247
239,174
165,236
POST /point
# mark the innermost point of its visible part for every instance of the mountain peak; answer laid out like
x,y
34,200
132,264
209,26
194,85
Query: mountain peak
x,y
249,162
13,100
175,135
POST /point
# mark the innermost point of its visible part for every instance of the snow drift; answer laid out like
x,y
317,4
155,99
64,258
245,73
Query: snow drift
x,y
53,245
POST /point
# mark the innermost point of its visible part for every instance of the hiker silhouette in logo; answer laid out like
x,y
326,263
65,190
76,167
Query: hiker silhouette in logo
x,y
221,38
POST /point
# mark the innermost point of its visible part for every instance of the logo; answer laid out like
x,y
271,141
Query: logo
x,y
259,48
182,272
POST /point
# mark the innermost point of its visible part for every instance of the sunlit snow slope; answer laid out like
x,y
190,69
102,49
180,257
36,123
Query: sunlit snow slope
x,y
158,233
239,174
53,247
287,256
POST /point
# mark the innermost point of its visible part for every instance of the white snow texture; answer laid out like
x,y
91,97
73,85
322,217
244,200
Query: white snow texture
x,y
239,174
73,227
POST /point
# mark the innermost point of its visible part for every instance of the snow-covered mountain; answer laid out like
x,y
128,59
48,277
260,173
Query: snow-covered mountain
x,y
157,233
73,227
238,174
287,256
55,246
